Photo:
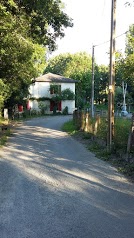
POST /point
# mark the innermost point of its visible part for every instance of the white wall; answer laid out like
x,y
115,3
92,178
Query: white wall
x,y
33,104
40,89
68,85
70,104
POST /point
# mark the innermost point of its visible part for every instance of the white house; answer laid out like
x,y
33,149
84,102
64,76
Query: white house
x,y
42,90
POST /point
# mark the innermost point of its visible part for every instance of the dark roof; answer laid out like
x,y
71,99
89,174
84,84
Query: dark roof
x,y
54,78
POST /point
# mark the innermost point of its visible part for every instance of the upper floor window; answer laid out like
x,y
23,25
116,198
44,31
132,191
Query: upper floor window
x,y
55,89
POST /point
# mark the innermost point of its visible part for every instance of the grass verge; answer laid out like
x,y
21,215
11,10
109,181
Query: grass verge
x,y
85,138
5,131
70,128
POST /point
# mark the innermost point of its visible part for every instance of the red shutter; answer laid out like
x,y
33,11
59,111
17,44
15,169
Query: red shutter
x,y
28,105
20,108
59,106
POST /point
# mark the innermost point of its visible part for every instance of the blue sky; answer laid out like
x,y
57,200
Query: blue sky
x,y
91,20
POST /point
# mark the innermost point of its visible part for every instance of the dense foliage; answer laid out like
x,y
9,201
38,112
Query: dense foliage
x,y
125,65
27,29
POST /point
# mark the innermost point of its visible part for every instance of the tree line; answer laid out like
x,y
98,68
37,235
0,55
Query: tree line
x,y
79,67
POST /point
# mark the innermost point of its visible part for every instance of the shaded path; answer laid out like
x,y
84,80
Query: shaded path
x,y
52,187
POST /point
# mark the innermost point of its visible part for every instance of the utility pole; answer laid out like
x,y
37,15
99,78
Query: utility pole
x,y
92,96
111,78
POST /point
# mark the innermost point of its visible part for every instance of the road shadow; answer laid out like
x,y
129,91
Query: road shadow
x,y
57,187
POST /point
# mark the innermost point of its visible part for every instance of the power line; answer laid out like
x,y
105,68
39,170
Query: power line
x,y
109,40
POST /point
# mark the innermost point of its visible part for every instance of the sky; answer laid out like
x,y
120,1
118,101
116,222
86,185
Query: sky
x,y
91,19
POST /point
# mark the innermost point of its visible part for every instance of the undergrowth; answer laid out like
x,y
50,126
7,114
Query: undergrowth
x,y
69,127
100,151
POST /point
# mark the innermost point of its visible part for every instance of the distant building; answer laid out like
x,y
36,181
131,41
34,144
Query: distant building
x,y
43,90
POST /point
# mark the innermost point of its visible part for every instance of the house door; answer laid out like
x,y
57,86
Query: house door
x,y
55,106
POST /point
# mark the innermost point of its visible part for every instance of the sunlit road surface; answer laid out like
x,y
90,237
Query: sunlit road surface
x,y
51,186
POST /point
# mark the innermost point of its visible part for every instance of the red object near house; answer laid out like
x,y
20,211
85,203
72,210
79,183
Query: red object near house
x,y
28,105
20,108
59,106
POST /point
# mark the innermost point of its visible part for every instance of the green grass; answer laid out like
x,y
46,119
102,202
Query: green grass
x,y
4,134
101,107
3,140
69,127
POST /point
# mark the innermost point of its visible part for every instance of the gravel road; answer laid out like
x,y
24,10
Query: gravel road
x,y
51,186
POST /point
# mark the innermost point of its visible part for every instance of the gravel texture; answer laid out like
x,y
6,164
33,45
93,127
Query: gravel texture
x,y
51,186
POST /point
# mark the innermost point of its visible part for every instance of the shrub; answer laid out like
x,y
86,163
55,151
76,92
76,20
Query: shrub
x,y
34,112
102,129
67,94
122,129
42,108
65,111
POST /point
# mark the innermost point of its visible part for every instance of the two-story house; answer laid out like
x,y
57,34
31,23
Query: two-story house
x,y
47,87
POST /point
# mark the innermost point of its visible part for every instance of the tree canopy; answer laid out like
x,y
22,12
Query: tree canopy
x,y
28,29
125,65
76,66
44,20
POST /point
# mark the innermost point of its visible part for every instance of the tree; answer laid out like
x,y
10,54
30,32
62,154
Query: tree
x,y
101,83
45,19
130,41
125,66
4,90
18,57
27,28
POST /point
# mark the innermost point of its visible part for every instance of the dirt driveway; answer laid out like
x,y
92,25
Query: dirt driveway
x,y
51,186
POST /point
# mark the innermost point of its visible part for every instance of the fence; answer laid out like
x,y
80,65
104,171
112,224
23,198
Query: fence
x,y
98,128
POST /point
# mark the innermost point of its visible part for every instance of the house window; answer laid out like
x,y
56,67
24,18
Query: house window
x,y
55,89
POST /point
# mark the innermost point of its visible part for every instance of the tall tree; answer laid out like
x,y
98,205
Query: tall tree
x,y
18,56
46,19
101,83
126,65
27,28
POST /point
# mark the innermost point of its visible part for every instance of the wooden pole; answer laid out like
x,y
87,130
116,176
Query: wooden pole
x,y
111,78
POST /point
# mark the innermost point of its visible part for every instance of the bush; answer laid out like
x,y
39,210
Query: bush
x,y
102,129
122,129
26,113
34,112
65,111
42,108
